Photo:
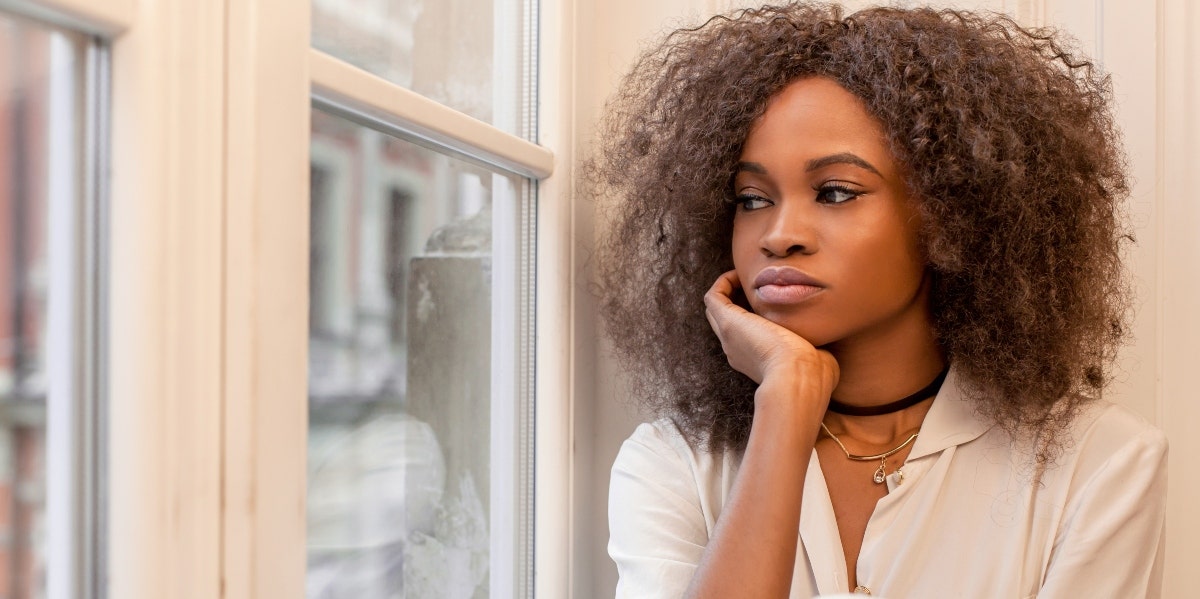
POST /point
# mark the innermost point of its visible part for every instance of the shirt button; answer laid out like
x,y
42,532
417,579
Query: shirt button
x,y
862,590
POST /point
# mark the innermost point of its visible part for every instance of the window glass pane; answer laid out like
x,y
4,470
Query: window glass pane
x,y
475,56
41,119
417,379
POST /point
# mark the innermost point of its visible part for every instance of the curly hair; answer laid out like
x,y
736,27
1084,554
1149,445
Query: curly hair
x,y
1012,155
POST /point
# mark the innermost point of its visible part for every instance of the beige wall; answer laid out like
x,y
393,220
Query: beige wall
x,y
1155,69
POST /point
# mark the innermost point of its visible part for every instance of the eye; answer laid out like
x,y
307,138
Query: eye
x,y
748,202
835,194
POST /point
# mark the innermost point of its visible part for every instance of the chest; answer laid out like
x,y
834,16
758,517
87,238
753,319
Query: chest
x,y
853,495
926,534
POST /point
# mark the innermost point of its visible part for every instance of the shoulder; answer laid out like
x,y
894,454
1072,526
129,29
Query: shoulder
x,y
660,436
1105,447
1108,453
656,465
659,448
1108,537
1103,431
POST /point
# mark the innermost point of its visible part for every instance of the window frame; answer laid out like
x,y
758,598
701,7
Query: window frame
x,y
102,18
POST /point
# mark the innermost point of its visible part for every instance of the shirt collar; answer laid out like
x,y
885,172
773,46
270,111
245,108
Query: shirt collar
x,y
952,420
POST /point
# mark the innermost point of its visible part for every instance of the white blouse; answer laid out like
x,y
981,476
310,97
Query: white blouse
x,y
967,520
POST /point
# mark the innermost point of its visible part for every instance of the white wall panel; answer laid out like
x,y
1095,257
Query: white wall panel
x,y
1178,292
609,37
1125,46
1077,17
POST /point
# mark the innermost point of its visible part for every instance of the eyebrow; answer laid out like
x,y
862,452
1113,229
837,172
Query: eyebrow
x,y
815,163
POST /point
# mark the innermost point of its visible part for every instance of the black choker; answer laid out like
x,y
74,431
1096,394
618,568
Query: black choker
x,y
930,390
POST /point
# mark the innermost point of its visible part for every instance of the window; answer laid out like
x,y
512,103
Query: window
x,y
203,263
475,56
49,290
420,432
412,295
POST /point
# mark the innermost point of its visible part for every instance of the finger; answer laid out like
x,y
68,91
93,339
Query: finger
x,y
720,295
727,283
733,279
712,322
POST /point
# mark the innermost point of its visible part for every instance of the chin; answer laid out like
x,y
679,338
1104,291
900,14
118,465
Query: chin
x,y
811,329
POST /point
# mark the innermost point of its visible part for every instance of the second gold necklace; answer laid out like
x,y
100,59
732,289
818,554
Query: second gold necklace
x,y
881,472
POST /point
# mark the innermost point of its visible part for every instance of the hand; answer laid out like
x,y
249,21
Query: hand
x,y
760,348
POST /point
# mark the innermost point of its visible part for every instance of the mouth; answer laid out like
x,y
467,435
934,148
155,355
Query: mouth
x,y
785,285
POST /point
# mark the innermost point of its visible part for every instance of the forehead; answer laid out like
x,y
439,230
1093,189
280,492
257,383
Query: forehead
x,y
815,116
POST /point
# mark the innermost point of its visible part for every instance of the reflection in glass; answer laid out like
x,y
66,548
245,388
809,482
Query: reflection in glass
x,y
475,56
40,148
405,280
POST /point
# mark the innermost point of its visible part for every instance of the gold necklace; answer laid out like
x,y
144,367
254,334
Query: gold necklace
x,y
880,473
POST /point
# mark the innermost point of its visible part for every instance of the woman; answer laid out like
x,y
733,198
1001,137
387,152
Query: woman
x,y
905,226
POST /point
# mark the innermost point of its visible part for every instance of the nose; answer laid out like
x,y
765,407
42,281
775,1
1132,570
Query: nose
x,y
789,230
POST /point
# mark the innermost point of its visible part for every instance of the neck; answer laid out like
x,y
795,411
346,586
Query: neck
x,y
881,368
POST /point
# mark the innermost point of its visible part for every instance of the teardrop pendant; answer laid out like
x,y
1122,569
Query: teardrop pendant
x,y
880,474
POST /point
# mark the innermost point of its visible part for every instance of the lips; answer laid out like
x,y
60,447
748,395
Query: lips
x,y
785,285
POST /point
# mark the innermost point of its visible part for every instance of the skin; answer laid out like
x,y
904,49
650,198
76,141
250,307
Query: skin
x,y
819,192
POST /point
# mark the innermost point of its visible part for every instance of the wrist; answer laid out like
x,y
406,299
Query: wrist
x,y
791,398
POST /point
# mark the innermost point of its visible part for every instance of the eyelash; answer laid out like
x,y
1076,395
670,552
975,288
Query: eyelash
x,y
742,200
835,188
822,191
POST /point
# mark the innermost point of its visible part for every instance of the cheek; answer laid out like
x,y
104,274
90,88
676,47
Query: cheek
x,y
886,256
745,263
899,261
743,249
